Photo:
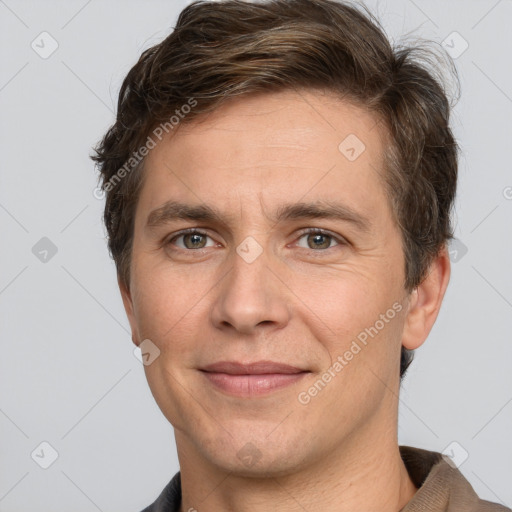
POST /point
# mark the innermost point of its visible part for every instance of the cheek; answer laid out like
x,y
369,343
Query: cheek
x,y
353,306
338,302
167,304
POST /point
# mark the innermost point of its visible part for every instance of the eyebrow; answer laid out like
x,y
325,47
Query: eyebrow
x,y
322,209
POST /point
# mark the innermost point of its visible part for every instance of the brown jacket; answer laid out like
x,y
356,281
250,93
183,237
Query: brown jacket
x,y
441,487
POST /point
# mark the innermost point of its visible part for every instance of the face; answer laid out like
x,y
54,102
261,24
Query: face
x,y
268,272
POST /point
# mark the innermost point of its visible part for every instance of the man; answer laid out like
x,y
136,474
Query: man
x,y
278,191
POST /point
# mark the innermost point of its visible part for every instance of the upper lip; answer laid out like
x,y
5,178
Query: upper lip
x,y
255,368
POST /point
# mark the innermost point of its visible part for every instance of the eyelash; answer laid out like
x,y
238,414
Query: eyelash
x,y
308,231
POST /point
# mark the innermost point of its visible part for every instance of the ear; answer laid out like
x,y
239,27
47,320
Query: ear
x,y
425,302
128,307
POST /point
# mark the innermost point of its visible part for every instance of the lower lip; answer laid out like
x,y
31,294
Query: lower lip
x,y
252,385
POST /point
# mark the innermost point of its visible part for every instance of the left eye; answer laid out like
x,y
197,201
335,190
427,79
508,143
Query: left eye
x,y
318,240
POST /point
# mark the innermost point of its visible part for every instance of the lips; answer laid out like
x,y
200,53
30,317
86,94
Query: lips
x,y
252,379
256,368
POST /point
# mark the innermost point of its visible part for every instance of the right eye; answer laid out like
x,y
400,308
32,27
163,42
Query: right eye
x,y
192,239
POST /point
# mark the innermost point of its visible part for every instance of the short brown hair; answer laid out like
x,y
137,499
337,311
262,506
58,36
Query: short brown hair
x,y
219,50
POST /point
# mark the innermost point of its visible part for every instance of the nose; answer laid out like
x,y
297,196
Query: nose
x,y
251,296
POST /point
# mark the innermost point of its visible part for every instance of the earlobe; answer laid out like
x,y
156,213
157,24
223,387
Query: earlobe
x,y
425,302
128,307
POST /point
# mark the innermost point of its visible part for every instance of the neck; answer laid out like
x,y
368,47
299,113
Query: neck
x,y
365,474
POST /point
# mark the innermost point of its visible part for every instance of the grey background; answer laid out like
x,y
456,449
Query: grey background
x,y
68,375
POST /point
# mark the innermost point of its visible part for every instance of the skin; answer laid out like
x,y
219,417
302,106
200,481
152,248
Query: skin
x,y
302,301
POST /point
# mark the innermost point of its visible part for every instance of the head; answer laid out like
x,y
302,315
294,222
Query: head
x,y
244,112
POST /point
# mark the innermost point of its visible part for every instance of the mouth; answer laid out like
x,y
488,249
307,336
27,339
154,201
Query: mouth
x,y
252,379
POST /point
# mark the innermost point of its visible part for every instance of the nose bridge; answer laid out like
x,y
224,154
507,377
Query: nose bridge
x,y
250,295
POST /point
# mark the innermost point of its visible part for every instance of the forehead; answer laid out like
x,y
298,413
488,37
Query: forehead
x,y
306,143
305,121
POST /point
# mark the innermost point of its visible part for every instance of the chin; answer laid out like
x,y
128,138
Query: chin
x,y
254,454
269,466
